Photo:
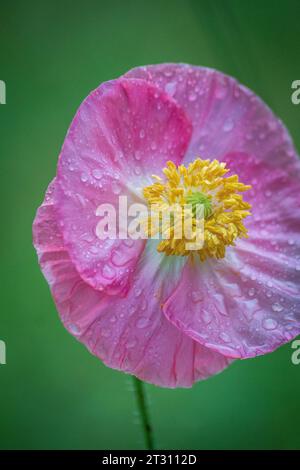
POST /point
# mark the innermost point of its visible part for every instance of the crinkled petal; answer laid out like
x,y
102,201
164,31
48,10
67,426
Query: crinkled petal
x,y
246,304
226,116
241,316
249,303
123,132
130,333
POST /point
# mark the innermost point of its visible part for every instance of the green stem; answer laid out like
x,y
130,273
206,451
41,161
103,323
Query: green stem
x,y
143,411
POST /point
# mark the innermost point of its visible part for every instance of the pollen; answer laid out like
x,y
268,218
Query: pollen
x,y
204,184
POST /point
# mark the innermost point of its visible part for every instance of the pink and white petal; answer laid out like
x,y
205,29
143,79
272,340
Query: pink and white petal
x,y
226,116
275,193
133,335
243,306
123,132
129,334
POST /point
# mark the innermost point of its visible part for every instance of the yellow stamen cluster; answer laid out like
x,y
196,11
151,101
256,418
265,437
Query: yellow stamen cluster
x,y
224,209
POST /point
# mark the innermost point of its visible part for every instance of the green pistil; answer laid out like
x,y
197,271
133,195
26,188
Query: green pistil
x,y
199,198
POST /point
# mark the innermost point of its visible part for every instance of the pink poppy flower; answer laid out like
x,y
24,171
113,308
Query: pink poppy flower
x,y
149,307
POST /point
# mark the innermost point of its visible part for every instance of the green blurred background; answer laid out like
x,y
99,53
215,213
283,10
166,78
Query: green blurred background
x,y
53,393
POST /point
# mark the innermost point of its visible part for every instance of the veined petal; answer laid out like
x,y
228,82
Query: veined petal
x,y
226,116
122,133
242,306
130,333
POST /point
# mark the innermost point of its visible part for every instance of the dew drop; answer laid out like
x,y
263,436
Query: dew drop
x,y
269,324
131,343
74,330
192,96
268,193
132,310
277,307
84,177
142,133
228,126
225,337
138,292
97,174
116,187
251,292
106,332
170,88
108,272
206,316
196,296
168,73
142,322
128,242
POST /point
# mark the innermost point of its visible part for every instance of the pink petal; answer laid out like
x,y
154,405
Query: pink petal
x,y
241,319
226,116
123,132
129,334
249,303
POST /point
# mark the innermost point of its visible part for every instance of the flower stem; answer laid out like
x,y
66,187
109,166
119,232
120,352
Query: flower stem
x,y
143,411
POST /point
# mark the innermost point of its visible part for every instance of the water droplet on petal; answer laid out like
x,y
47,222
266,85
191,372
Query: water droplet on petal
x,y
142,322
192,96
138,292
97,174
74,330
84,177
106,332
196,296
277,307
170,88
228,126
224,337
168,73
128,242
132,310
108,272
206,316
116,187
269,324
131,343
142,133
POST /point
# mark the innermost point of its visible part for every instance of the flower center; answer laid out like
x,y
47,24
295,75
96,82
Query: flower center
x,y
196,199
201,184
